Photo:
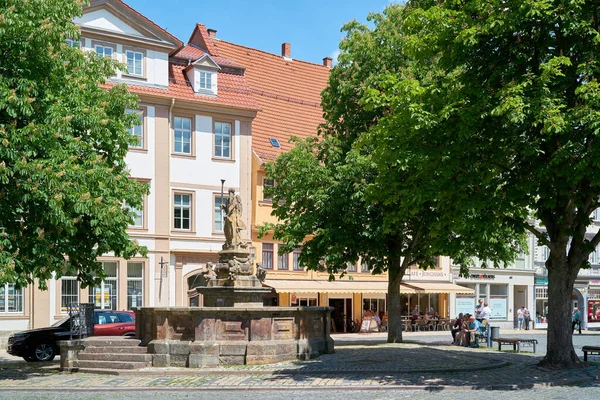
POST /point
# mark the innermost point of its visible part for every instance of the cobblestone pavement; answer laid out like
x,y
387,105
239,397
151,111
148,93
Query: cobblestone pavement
x,y
360,364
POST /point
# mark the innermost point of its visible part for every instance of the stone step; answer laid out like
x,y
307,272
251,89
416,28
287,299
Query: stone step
x,y
119,357
112,341
109,364
113,350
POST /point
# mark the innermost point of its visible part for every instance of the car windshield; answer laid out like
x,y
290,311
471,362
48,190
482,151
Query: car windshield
x,y
59,322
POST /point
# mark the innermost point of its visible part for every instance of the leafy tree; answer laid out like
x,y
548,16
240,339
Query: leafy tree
x,y
356,193
63,140
508,92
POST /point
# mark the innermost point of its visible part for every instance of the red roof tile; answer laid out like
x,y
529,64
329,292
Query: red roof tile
x,y
233,90
288,92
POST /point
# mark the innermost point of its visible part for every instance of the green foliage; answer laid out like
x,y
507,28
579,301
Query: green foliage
x,y
371,187
63,140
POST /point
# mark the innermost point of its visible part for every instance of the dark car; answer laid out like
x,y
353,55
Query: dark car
x,y
41,344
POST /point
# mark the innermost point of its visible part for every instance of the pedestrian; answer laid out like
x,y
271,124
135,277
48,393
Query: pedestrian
x,y
486,314
576,319
526,318
520,317
478,310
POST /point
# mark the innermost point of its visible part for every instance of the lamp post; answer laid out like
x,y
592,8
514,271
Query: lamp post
x,y
222,221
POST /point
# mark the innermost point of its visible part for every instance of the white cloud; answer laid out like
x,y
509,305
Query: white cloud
x,y
335,55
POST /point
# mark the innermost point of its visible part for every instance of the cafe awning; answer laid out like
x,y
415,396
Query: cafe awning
x,y
437,287
322,286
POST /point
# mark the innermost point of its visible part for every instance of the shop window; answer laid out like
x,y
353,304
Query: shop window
x,y
104,296
303,302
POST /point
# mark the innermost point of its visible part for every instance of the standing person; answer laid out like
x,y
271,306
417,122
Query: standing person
x,y
478,310
526,318
486,314
576,319
520,316
415,313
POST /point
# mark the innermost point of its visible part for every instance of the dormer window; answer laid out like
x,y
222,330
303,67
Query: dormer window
x,y
134,62
203,74
206,80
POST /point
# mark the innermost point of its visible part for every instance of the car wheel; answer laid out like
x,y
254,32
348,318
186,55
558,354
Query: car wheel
x,y
43,351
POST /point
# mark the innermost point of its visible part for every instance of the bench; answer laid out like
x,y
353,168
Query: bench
x,y
591,350
516,343
486,336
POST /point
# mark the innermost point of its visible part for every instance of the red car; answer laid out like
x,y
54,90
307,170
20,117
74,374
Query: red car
x,y
114,323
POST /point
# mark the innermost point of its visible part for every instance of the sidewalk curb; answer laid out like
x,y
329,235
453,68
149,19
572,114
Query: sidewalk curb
x,y
248,388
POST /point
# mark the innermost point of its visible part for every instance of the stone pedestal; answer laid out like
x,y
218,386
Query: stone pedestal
x,y
233,296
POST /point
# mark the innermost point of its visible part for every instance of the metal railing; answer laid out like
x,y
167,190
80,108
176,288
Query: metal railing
x,y
81,320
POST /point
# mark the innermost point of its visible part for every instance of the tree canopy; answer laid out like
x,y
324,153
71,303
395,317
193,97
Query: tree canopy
x,y
363,191
508,94
64,185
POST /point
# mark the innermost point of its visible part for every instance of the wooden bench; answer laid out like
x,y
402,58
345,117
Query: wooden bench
x,y
591,350
516,343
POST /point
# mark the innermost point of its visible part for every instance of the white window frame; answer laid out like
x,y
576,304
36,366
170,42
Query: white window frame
x,y
134,129
16,293
104,47
179,129
182,207
139,296
133,54
206,79
74,43
64,309
219,146
218,214
112,280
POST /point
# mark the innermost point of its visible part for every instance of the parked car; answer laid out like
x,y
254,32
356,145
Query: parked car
x,y
41,344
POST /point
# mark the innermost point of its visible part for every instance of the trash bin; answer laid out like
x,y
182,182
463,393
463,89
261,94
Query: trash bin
x,y
495,334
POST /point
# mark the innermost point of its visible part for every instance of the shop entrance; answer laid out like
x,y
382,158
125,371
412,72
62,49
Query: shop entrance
x,y
341,316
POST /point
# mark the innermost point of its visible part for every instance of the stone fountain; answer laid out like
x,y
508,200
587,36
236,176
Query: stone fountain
x,y
233,327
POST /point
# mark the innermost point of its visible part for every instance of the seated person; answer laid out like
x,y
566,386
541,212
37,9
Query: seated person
x,y
472,328
457,326
461,337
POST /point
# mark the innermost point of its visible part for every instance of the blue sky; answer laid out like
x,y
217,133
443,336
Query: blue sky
x,y
311,26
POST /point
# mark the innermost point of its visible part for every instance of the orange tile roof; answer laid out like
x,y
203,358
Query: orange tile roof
x,y
288,92
233,89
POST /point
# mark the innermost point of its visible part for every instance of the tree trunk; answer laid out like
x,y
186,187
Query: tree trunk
x,y
560,351
394,304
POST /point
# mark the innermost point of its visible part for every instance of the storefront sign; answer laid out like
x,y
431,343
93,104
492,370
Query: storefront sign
x,y
482,276
498,307
465,305
430,274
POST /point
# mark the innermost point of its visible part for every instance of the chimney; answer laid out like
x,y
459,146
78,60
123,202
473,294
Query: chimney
x,y
212,33
286,50
328,62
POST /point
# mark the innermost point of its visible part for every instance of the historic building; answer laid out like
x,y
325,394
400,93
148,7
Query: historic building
x,y
195,130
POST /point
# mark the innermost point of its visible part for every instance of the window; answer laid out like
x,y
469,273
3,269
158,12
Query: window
x,y
138,129
218,214
267,255
135,284
134,62
104,296
74,43
351,267
206,80
364,267
296,254
267,184
138,218
497,290
283,261
104,51
182,211
183,135
11,299
375,305
302,302
222,140
69,292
